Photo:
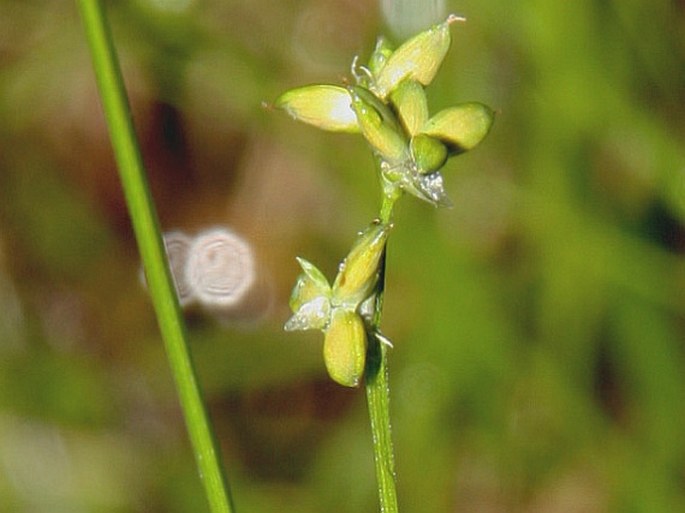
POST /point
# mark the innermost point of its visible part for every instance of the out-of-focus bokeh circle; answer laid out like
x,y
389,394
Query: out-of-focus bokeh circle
x,y
220,268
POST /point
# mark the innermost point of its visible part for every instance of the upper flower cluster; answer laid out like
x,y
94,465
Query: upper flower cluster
x,y
388,106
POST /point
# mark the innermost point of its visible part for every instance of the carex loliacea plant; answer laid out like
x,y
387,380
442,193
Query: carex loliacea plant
x,y
387,105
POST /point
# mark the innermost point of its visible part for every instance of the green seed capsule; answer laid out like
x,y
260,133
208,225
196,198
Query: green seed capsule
x,y
411,104
359,271
344,348
324,106
429,154
462,127
418,58
378,125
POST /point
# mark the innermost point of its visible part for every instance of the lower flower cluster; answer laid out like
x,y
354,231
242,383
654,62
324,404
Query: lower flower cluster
x,y
336,310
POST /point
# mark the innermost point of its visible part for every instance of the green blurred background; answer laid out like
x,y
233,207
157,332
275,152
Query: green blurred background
x,y
538,325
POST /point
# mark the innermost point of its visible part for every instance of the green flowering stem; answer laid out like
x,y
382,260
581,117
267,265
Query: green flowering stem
x,y
146,227
378,391
389,108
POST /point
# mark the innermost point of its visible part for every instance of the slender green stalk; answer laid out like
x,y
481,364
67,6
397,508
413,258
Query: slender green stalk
x,y
378,393
146,227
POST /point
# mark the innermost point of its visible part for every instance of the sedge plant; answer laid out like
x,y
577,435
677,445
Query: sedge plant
x,y
387,105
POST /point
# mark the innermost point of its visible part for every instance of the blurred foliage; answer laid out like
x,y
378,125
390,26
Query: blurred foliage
x,y
538,325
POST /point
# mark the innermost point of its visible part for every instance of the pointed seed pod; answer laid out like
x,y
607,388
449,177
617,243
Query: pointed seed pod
x,y
378,125
411,104
462,127
418,58
344,348
429,154
359,271
323,106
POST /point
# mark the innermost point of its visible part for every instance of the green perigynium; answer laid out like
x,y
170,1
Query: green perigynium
x,y
461,127
344,347
389,108
324,106
419,58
